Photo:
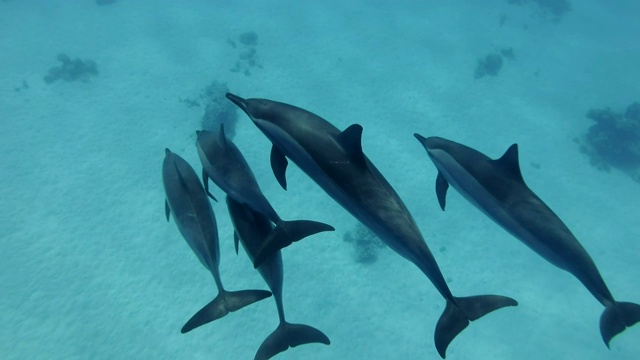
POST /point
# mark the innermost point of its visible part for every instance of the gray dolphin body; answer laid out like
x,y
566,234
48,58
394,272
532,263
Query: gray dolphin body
x,y
187,202
335,161
251,229
497,188
224,164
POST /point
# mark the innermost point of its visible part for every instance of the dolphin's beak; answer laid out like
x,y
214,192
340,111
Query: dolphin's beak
x,y
240,102
422,140
425,143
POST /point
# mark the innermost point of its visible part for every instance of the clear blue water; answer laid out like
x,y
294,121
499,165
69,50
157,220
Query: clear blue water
x,y
90,269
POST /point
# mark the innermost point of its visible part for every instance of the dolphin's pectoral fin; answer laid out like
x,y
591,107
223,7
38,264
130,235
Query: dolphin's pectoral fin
x,y
236,239
167,209
205,182
456,316
509,161
441,190
616,318
289,335
351,140
279,166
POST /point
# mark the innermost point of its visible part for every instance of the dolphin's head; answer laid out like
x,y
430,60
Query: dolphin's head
x,y
170,165
205,135
205,140
447,154
256,108
433,144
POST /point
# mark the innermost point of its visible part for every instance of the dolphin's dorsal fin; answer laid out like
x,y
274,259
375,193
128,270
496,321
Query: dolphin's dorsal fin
x,y
167,209
441,190
279,166
351,140
509,162
236,239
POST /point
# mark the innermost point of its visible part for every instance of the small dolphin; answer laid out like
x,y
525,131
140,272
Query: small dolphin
x,y
223,163
334,159
497,188
187,202
251,229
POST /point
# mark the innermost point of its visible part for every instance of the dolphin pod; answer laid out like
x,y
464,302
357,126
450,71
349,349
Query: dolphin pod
x,y
189,206
334,159
497,188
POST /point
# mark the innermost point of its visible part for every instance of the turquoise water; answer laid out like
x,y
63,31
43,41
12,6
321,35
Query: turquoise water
x,y
90,269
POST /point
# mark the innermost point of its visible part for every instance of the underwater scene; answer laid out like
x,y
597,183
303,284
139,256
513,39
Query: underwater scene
x,y
359,179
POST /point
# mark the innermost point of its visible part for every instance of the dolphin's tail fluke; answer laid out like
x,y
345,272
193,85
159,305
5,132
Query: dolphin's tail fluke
x,y
285,233
224,303
289,335
456,316
617,317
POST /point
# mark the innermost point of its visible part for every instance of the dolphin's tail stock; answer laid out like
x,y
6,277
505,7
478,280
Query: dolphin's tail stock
x,y
285,233
224,303
616,318
289,335
456,316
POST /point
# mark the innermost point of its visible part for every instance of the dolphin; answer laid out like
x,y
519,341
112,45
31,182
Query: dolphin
x,y
187,202
224,164
251,229
497,188
334,159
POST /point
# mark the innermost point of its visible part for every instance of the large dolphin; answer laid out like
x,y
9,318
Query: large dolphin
x,y
187,202
251,229
334,159
224,164
497,188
